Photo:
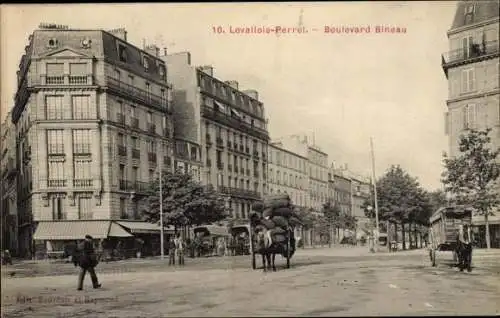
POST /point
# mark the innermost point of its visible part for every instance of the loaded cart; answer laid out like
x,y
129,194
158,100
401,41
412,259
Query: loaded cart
x,y
444,228
273,218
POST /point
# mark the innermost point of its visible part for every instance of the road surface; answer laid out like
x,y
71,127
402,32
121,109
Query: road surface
x,y
320,283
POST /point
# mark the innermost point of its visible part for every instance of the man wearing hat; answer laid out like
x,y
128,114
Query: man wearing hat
x,y
87,260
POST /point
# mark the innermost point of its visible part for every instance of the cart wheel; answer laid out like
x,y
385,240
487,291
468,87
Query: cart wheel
x,y
254,265
433,257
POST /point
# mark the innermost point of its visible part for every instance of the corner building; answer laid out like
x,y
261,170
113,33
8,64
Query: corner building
x,y
472,69
92,117
230,127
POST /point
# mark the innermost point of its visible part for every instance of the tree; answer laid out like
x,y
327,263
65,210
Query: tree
x,y
331,213
401,200
471,176
185,202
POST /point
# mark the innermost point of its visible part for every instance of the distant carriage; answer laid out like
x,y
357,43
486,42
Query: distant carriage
x,y
444,227
209,235
240,239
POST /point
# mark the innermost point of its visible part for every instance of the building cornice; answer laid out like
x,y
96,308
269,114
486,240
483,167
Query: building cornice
x,y
472,26
476,95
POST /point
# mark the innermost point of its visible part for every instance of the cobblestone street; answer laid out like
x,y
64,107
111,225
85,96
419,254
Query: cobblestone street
x,y
321,282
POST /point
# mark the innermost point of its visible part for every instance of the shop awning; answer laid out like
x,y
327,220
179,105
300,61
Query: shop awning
x,y
142,227
116,230
71,230
212,230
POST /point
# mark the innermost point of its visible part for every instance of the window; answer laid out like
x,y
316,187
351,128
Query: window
x,y
469,9
151,175
123,209
131,80
145,63
56,170
121,172
55,69
57,208
135,174
122,53
83,169
55,141
81,107
81,141
54,107
467,43
85,208
468,80
470,115
150,117
151,146
118,75
134,142
78,69
148,88
162,71
121,139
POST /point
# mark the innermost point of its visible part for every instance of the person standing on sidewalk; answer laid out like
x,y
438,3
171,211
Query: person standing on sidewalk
x,y
86,258
179,248
171,251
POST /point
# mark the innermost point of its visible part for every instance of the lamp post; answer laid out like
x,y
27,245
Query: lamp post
x,y
371,243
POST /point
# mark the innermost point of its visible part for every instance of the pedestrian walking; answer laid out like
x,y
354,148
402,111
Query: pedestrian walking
x,y
179,248
171,251
86,258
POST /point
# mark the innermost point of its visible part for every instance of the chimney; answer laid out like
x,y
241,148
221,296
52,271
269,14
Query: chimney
x,y
233,84
207,69
252,93
153,50
120,33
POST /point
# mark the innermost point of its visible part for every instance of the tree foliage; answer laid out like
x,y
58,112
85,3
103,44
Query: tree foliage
x,y
471,176
305,216
185,202
400,198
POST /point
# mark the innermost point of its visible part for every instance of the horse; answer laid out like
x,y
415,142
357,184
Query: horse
x,y
269,251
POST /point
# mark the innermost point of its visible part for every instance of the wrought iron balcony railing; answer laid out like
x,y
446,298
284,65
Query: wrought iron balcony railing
x,y
472,52
220,165
122,150
134,186
56,183
137,94
82,183
249,194
220,142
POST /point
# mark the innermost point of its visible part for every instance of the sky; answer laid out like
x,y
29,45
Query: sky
x,y
339,89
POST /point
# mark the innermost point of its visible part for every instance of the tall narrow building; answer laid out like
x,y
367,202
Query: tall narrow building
x,y
472,68
229,126
92,118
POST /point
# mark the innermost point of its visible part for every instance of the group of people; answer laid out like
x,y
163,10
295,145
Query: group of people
x,y
176,249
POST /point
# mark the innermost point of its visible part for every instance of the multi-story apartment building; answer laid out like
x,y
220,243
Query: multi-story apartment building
x,y
8,186
342,194
288,174
230,126
318,176
92,119
472,69
360,192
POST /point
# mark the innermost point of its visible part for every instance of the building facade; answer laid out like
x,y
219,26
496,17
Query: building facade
x,y
230,126
318,177
288,174
93,124
8,184
472,69
342,192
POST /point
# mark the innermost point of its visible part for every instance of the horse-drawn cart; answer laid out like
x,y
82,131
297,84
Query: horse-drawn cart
x,y
285,248
445,224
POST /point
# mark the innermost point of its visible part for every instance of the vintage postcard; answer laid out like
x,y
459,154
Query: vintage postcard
x,y
250,159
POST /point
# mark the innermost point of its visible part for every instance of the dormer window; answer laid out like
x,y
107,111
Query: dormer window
x,y
122,53
145,63
469,8
53,43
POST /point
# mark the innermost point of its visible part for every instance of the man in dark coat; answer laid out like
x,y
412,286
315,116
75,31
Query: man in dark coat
x,y
86,258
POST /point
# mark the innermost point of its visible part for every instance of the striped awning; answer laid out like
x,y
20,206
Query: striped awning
x,y
141,227
71,230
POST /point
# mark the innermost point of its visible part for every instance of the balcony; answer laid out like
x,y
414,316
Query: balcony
x,y
56,183
236,192
229,145
256,154
78,79
152,128
82,183
475,53
136,153
247,150
242,148
139,95
120,118
234,123
219,142
236,147
208,139
134,186
220,165
134,122
122,150
54,80
236,169
152,157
